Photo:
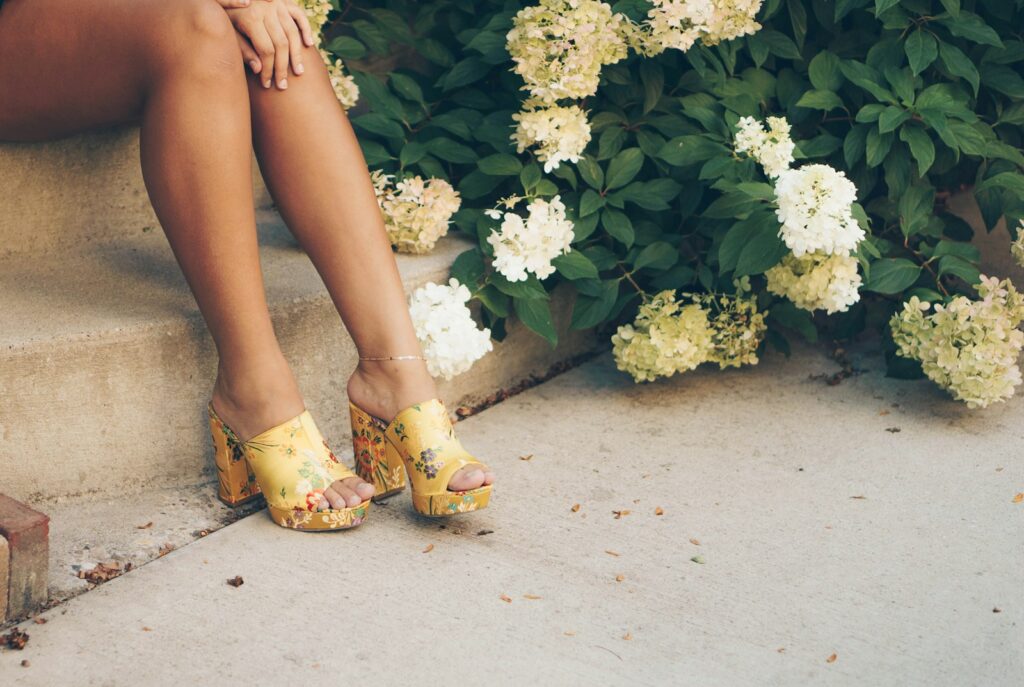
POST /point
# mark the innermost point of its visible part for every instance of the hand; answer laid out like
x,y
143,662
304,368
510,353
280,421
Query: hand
x,y
271,37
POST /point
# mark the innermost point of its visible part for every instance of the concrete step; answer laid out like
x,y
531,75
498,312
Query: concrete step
x,y
106,366
820,532
80,189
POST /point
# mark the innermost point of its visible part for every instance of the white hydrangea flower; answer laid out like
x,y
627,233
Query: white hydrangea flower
x,y
445,328
680,23
971,348
344,85
815,210
316,11
817,281
1017,247
416,212
560,133
772,148
560,46
737,328
529,245
666,337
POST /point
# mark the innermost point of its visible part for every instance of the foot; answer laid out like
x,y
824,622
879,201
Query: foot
x,y
251,407
385,388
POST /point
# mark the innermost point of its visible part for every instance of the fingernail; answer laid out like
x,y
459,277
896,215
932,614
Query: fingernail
x,y
299,69
282,84
266,84
255,65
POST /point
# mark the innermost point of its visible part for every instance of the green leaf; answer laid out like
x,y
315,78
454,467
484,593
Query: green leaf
x,y
820,100
531,288
824,71
450,151
957,63
779,44
877,146
738,236
653,79
891,118
792,317
500,165
464,73
406,86
915,209
575,265
494,300
469,267
764,250
589,311
972,27
412,152
922,50
957,266
531,175
590,202
659,255
591,172
1010,181
376,123
891,275
624,167
921,147
347,48
536,315
867,78
883,5
619,226
690,149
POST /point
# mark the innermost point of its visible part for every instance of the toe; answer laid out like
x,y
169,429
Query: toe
x,y
469,477
363,489
488,477
351,499
334,497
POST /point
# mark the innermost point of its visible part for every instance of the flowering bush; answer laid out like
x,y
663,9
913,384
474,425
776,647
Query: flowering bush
x,y
790,159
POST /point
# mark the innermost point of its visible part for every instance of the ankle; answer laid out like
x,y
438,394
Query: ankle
x,y
258,397
384,388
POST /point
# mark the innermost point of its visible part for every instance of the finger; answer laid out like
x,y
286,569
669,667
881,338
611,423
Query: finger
x,y
294,41
302,19
233,4
280,40
248,54
260,40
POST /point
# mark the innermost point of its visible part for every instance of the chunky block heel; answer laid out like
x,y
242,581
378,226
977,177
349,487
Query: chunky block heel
x,y
420,438
291,465
377,462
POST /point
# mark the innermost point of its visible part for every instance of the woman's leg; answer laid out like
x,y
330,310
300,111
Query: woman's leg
x,y
317,175
175,67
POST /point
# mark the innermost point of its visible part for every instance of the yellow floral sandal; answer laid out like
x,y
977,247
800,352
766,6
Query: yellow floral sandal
x,y
291,465
421,440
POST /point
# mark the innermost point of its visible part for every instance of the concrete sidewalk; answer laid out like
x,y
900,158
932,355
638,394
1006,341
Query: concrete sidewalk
x,y
859,534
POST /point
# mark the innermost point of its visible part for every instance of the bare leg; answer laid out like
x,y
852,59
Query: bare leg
x,y
316,172
176,68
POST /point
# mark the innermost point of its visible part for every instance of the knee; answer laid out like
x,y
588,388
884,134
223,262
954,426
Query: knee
x,y
197,37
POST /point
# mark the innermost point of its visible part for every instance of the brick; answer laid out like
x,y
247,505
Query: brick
x,y
5,569
27,535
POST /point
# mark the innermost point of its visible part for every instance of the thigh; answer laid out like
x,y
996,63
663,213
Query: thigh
x,y
73,65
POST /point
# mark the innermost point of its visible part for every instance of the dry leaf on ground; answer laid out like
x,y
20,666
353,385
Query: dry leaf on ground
x,y
621,513
483,532
859,498
698,559
526,457
695,542
831,659
236,581
531,597
1018,498
166,549
506,598
40,621
611,553
575,507
103,572
144,527
430,547
659,510
627,636
25,663
569,633
620,578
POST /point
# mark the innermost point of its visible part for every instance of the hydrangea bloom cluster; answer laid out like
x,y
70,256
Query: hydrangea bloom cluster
x,y
529,245
771,147
344,85
666,337
737,328
680,23
969,347
817,281
561,133
1017,247
560,46
316,11
445,328
815,209
416,212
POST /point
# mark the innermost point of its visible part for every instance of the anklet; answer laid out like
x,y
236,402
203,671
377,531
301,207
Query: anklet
x,y
392,357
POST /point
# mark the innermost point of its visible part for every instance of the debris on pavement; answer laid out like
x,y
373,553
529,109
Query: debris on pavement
x,y
619,514
612,553
658,510
15,639
430,547
575,507
1018,498
698,559
526,457
144,527
506,598
695,542
103,572
236,581
484,532
831,659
